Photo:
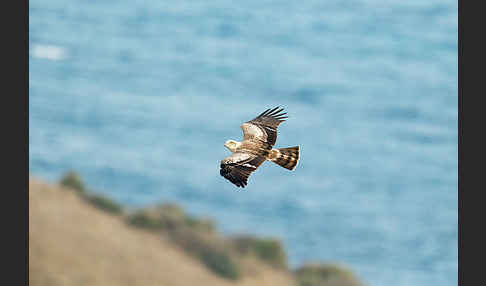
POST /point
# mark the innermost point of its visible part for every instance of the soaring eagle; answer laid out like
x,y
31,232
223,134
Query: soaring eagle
x,y
259,136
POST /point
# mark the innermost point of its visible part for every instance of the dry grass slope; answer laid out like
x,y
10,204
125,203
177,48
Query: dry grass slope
x,y
74,243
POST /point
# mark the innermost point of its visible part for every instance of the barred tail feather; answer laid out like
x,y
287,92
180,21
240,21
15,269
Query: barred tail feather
x,y
286,157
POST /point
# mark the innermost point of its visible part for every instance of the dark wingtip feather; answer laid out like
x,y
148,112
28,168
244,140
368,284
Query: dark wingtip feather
x,y
264,113
278,111
273,112
275,108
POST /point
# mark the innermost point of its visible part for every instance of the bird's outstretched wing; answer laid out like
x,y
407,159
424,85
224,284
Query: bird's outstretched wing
x,y
238,167
263,128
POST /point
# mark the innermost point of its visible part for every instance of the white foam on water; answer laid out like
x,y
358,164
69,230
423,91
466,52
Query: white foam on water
x,y
49,52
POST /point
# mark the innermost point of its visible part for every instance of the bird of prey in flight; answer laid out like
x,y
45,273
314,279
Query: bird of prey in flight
x,y
259,136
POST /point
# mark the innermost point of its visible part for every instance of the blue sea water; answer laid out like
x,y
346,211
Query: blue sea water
x,y
140,96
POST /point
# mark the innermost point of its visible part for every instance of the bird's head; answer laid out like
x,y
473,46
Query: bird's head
x,y
231,145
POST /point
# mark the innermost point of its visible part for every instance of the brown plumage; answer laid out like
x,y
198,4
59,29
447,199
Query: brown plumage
x,y
259,137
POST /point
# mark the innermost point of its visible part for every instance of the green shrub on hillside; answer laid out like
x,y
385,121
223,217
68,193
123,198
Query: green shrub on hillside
x,y
104,203
203,225
164,217
211,249
168,217
195,236
269,250
220,262
325,275
73,181
141,219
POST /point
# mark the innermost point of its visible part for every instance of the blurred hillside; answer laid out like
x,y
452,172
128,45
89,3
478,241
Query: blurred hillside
x,y
80,238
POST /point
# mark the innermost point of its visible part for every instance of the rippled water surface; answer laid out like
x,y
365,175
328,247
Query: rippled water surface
x,y
140,96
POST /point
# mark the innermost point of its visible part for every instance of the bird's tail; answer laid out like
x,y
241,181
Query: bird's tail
x,y
286,157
